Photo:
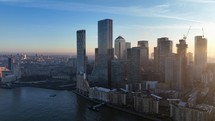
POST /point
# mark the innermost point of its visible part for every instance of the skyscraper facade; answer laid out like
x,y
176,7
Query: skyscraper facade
x,y
200,61
120,48
181,71
134,65
119,69
143,45
164,48
81,51
105,36
104,53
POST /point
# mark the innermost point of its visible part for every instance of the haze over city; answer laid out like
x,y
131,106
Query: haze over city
x,y
49,26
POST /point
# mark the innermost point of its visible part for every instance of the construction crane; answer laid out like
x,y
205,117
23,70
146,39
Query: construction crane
x,y
185,36
203,34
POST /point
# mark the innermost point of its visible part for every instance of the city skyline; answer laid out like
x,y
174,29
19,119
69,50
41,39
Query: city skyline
x,y
49,26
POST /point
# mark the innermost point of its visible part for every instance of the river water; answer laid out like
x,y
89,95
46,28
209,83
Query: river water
x,y
35,104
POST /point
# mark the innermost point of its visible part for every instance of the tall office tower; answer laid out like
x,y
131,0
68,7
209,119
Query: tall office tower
x,y
181,75
189,58
120,48
145,55
81,51
105,53
105,36
200,61
10,63
164,48
134,62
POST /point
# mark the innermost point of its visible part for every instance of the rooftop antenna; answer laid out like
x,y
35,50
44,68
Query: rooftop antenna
x,y
185,36
203,34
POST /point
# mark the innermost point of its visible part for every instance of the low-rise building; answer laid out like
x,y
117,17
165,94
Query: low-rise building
x,y
181,112
99,93
145,104
118,98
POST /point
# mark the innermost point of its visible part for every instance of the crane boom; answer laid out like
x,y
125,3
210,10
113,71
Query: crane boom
x,y
203,34
185,36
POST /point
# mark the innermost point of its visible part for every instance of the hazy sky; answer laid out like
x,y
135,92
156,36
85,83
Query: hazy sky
x,y
50,25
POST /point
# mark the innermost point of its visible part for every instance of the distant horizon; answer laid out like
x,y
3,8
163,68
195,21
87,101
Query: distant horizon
x,y
38,26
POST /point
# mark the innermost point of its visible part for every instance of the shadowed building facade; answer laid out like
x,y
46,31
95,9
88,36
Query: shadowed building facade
x,y
200,61
104,54
162,51
81,51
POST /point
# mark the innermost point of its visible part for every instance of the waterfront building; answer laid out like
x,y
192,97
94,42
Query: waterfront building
x,y
120,48
99,93
1,70
8,76
17,70
138,87
200,61
104,54
180,112
144,103
118,98
81,51
82,85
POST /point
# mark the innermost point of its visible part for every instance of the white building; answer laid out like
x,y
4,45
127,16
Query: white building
x,y
99,93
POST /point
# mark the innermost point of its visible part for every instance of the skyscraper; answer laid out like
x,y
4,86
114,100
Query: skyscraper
x,y
181,77
200,61
143,45
134,62
81,51
119,69
105,36
164,48
105,53
120,48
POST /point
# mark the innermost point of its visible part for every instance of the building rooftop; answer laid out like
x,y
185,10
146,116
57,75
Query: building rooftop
x,y
102,89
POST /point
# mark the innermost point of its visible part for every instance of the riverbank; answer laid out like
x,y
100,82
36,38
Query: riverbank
x,y
46,84
145,116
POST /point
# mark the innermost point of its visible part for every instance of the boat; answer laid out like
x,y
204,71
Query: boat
x,y
93,108
52,95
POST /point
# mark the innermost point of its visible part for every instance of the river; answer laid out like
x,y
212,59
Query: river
x,y
35,104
